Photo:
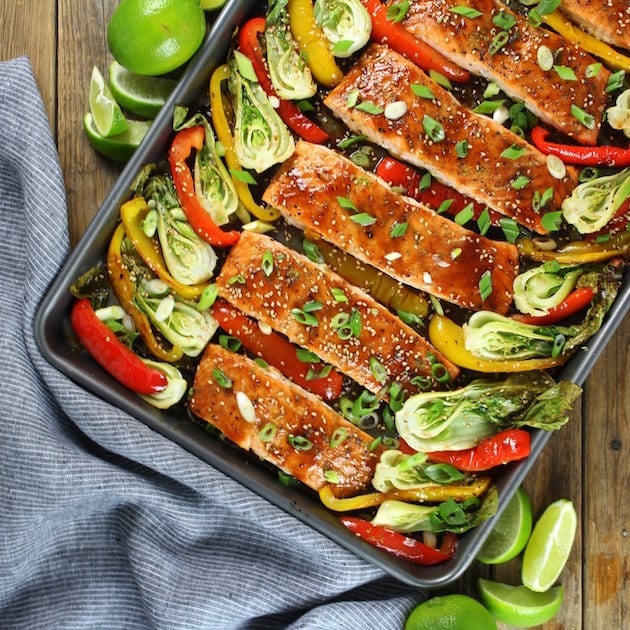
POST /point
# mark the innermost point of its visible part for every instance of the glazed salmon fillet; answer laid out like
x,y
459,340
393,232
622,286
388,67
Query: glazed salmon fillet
x,y
608,20
495,159
319,310
261,411
429,252
514,68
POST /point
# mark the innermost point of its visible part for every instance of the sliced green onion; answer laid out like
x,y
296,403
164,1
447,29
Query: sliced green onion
x,y
422,91
300,443
150,223
498,42
461,149
440,373
363,219
369,108
615,81
565,73
311,251
338,294
444,206
433,128
346,204
545,58
338,437
267,263
556,167
268,432
584,117
465,214
510,229
378,370
551,221
242,176
306,356
208,297
348,142
504,20
513,152
485,285
398,229
222,379
331,476
397,11
467,12
230,343
592,70
520,182
484,222
304,317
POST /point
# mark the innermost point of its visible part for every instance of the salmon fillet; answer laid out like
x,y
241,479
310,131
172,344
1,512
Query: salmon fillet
x,y
514,68
319,310
486,173
290,427
433,254
608,20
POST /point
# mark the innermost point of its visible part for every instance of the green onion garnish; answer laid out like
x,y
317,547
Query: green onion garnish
x,y
300,443
422,91
510,229
398,229
267,263
369,108
467,12
222,379
268,432
498,42
513,153
433,128
584,117
485,285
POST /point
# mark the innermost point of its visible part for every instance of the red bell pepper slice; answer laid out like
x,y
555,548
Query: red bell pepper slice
x,y
504,447
398,38
400,545
111,353
401,175
276,350
249,45
577,300
184,142
579,155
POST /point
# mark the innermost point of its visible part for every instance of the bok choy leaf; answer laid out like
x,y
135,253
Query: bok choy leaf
x,y
346,24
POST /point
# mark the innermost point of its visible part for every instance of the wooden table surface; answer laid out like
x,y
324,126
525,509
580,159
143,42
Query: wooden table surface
x,y
586,461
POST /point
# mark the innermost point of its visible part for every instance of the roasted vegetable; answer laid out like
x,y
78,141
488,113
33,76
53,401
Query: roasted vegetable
x,y
618,115
290,75
345,23
179,322
176,386
450,516
593,203
460,419
261,139
541,288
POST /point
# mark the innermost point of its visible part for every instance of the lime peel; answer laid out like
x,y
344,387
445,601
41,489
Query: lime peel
x,y
121,146
519,606
450,612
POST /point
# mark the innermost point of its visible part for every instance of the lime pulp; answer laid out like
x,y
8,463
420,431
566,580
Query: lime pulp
x,y
106,113
510,533
549,546
519,606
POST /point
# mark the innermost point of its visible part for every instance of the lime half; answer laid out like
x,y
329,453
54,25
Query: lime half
x,y
511,531
106,113
517,605
138,94
549,545
121,146
450,612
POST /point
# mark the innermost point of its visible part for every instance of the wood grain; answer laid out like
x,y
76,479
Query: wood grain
x,y
586,461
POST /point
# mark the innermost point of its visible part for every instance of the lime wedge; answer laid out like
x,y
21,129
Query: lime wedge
x,y
121,146
106,113
549,546
511,531
518,606
138,94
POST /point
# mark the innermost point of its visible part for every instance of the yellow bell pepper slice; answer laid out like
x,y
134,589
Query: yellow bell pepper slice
x,y
448,338
578,252
433,493
224,135
132,214
380,286
312,43
124,289
591,44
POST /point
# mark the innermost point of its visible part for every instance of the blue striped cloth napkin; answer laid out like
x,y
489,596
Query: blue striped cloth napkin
x,y
103,522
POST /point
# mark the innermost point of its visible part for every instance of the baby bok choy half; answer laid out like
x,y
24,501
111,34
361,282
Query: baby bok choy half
x,y
460,419
289,72
346,24
261,139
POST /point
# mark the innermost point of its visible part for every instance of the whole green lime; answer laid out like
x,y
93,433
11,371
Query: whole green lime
x,y
154,37
450,612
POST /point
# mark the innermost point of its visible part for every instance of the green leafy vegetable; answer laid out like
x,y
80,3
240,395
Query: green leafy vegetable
x,y
398,471
261,139
176,385
593,203
190,260
460,419
543,287
346,24
290,75
450,516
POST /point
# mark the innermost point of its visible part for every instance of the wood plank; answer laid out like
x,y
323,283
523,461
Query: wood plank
x,y
83,44
606,478
35,38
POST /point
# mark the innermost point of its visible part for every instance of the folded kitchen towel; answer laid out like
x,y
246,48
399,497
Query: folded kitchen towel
x,y
105,523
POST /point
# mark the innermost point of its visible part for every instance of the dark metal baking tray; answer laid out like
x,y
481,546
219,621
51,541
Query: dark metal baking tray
x,y
53,335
